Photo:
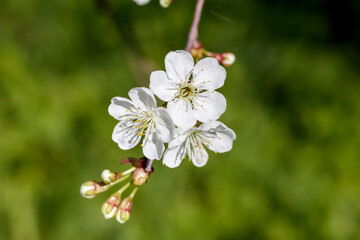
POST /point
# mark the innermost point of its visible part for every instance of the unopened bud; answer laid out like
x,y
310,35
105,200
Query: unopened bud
x,y
123,214
165,3
140,176
228,59
89,189
197,50
108,176
110,207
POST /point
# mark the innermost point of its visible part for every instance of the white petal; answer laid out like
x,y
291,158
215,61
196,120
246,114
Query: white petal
x,y
178,65
163,87
143,98
209,106
121,107
153,147
201,159
164,125
179,140
219,137
181,113
141,2
173,156
125,136
217,126
208,74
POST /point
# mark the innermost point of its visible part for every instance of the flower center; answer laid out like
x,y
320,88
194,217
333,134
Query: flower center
x,y
187,91
194,145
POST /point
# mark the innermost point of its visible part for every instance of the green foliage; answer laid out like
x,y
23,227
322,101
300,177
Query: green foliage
x,y
293,100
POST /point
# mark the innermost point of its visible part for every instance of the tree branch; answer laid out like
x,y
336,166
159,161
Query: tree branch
x,y
193,34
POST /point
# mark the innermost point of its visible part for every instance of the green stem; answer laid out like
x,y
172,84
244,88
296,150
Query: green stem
x,y
121,190
133,192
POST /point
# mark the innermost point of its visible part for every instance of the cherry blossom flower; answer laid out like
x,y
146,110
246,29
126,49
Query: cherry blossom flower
x,y
141,117
214,135
189,89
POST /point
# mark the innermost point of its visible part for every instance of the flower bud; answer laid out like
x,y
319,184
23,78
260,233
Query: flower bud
x,y
140,176
165,3
89,189
108,176
123,214
197,50
110,207
228,59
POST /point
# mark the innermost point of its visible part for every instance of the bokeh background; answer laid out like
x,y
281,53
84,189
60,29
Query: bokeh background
x,y
293,99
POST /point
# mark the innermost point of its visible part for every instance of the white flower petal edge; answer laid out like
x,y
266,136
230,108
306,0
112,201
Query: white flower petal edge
x,y
215,135
140,117
178,65
143,98
209,74
212,106
181,113
164,125
162,86
189,89
141,2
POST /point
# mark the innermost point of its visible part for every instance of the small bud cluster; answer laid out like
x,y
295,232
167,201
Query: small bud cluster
x,y
114,206
226,58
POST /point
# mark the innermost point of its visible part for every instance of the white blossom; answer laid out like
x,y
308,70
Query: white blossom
x,y
214,135
189,89
141,117
141,2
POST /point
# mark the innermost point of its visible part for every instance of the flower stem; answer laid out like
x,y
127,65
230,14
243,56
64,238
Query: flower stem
x,y
193,34
119,180
121,190
132,194
149,165
130,170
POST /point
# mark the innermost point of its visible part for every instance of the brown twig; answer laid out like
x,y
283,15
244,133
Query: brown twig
x,y
193,34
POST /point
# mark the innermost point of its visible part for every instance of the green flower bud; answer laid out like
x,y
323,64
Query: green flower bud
x,y
108,176
110,207
89,189
123,214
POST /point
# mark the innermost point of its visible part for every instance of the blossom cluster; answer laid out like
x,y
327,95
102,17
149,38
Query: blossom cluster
x,y
187,121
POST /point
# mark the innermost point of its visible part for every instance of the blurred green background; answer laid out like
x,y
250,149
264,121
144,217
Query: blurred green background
x,y
293,99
